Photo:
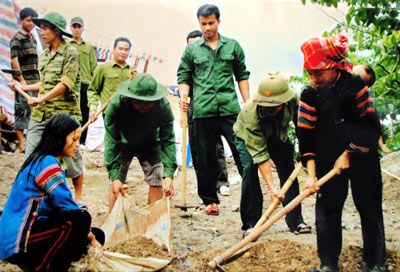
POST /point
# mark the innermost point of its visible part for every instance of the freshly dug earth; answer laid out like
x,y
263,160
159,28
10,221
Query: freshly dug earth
x,y
199,238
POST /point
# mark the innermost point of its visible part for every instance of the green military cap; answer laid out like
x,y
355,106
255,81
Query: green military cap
x,y
55,19
142,87
77,20
273,91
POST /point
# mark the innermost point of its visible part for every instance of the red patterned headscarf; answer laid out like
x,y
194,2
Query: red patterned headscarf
x,y
326,53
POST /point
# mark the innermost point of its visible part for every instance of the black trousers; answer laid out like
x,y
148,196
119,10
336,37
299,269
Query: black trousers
x,y
56,241
251,202
84,110
366,187
222,171
207,131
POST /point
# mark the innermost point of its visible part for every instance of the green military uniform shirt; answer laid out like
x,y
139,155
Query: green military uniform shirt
x,y
88,60
62,66
105,81
210,73
129,133
254,128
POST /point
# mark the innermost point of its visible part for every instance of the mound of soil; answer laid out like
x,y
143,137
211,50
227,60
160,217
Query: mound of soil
x,y
200,238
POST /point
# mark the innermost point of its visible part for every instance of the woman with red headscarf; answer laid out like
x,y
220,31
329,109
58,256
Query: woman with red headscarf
x,y
338,126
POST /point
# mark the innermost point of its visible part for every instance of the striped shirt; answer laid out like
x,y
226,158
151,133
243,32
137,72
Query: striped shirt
x,y
24,46
337,118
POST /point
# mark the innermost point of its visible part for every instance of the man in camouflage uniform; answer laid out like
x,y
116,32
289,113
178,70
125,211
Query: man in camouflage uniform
x,y
24,58
58,90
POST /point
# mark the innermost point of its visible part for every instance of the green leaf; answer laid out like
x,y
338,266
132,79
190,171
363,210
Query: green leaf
x,y
394,40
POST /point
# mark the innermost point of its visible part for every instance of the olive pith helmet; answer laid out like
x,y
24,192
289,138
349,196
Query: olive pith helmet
x,y
273,91
56,19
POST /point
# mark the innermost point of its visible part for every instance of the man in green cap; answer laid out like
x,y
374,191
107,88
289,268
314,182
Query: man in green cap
x,y
262,134
87,62
58,90
139,123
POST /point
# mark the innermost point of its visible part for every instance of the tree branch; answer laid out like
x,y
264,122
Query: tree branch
x,y
397,61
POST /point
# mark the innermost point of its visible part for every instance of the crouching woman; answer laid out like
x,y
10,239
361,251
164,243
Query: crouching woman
x,y
42,228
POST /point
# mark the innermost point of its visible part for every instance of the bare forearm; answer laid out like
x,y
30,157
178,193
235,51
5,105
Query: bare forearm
x,y
31,87
59,89
244,89
266,173
311,168
15,66
183,90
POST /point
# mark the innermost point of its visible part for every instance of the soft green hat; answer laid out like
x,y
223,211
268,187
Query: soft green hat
x,y
273,91
142,87
77,20
55,19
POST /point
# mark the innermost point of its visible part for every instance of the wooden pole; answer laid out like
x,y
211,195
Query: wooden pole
x,y
136,63
257,232
184,137
146,65
17,87
98,112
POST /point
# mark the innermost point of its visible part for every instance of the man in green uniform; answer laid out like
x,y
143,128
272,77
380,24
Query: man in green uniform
x,y
262,134
139,123
209,65
108,75
222,171
58,90
87,65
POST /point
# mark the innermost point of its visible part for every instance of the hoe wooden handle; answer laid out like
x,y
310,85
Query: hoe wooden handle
x,y
98,113
283,191
17,87
257,231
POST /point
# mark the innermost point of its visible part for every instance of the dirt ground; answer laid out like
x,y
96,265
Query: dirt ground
x,y
199,238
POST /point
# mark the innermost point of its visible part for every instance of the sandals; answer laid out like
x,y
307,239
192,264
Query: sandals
x,y
302,228
212,209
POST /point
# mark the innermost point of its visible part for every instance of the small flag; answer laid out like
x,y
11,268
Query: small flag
x,y
155,59
160,60
143,56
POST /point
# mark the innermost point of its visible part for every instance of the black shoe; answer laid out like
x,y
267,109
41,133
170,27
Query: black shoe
x,y
247,233
99,235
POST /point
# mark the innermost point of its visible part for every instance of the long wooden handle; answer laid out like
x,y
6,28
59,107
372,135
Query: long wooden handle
x,y
257,232
283,191
98,113
184,137
17,87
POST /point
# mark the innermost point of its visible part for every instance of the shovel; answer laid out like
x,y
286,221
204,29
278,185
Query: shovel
x,y
183,205
221,259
